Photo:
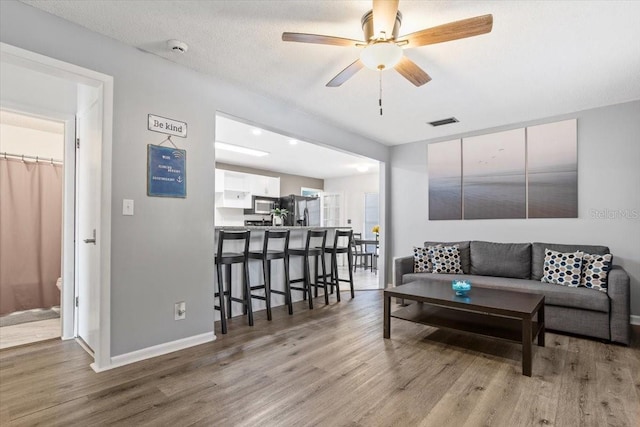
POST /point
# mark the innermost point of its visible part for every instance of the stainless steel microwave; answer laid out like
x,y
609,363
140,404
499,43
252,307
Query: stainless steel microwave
x,y
263,206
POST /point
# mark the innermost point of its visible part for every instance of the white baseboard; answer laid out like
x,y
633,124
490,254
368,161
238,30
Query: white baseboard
x,y
156,350
635,320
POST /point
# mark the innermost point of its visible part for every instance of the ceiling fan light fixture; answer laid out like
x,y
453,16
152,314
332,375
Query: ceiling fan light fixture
x,y
381,55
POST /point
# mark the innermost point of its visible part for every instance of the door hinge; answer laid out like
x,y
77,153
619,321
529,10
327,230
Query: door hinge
x,y
77,142
77,301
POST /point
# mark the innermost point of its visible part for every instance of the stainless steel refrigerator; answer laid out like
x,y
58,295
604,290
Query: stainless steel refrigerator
x,y
302,210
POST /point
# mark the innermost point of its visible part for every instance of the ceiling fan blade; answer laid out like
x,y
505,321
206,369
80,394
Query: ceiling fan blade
x,y
346,74
451,31
319,39
412,72
384,17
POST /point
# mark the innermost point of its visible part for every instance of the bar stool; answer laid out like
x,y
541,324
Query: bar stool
x,y
334,251
227,259
306,253
267,255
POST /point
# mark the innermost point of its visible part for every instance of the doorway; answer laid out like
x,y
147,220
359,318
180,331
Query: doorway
x,y
85,99
31,172
340,179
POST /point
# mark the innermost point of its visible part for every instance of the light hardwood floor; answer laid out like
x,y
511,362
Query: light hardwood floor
x,y
329,366
25,333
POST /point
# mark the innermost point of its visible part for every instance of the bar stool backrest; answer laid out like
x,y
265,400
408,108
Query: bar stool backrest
x,y
339,237
271,235
233,235
316,234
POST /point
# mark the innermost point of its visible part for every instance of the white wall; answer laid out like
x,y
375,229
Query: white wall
x,y
21,86
31,142
164,253
608,182
353,188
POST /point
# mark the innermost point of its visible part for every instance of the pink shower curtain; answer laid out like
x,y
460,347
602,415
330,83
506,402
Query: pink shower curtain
x,y
30,234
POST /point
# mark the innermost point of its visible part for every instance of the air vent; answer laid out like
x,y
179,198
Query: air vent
x,y
444,122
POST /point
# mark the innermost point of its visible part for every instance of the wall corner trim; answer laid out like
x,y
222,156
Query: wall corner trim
x,y
635,320
156,350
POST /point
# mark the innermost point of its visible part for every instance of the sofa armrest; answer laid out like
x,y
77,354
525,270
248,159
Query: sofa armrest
x,y
618,289
402,266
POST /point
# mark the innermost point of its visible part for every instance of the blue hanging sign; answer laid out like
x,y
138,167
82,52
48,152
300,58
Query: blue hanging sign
x,y
166,171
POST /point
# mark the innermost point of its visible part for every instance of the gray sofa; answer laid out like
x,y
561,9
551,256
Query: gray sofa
x,y
519,267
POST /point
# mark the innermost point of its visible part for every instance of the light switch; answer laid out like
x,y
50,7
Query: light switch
x,y
127,207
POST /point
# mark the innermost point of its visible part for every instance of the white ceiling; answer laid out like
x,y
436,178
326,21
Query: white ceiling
x,y
543,58
303,158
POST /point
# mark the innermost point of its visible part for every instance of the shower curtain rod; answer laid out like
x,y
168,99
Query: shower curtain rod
x,y
36,158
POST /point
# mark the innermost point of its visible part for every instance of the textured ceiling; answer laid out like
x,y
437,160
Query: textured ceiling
x,y
542,58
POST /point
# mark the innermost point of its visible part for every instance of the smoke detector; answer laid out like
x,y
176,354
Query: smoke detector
x,y
177,46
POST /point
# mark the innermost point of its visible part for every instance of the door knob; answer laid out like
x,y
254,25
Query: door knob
x,y
92,240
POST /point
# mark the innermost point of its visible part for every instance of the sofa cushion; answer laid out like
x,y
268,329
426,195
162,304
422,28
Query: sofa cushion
x,y
445,259
463,247
537,254
501,259
421,260
562,268
595,269
562,296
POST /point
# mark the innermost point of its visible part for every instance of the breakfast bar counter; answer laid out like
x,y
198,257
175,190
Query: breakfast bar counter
x,y
296,240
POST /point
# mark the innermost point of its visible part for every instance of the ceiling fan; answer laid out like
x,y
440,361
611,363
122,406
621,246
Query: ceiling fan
x,y
382,48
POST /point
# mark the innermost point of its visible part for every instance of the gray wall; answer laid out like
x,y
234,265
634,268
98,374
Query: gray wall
x,y
289,184
608,181
162,254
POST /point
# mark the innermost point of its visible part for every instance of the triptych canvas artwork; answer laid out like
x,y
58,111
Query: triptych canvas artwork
x,y
522,173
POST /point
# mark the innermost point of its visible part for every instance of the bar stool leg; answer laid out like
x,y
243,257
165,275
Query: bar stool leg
x,y
223,317
247,291
331,281
287,286
350,261
334,268
324,279
305,263
307,280
228,268
315,279
266,272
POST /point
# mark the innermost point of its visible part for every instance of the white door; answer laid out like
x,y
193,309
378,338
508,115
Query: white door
x,y
331,209
88,156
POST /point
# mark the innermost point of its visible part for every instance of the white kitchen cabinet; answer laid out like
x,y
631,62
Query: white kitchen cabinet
x,y
232,189
268,186
273,186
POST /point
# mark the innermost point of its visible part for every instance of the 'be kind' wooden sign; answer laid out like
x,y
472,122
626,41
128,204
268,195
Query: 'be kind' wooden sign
x,y
167,126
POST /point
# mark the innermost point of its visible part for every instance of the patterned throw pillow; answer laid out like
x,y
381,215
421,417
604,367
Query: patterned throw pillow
x,y
446,259
562,268
595,269
421,261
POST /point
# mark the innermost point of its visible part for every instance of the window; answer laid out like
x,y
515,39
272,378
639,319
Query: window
x,y
304,191
371,214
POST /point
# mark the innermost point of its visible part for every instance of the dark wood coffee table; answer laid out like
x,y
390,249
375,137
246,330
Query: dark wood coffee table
x,y
506,315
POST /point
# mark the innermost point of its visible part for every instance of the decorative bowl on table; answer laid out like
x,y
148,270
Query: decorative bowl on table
x,y
461,287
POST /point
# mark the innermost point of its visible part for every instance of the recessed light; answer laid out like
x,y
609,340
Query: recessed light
x,y
240,149
293,141
256,131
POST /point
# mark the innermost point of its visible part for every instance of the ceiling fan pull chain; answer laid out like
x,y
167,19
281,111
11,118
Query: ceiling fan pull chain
x,y
380,96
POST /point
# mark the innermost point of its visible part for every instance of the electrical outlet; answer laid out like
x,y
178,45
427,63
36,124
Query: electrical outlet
x,y
180,311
